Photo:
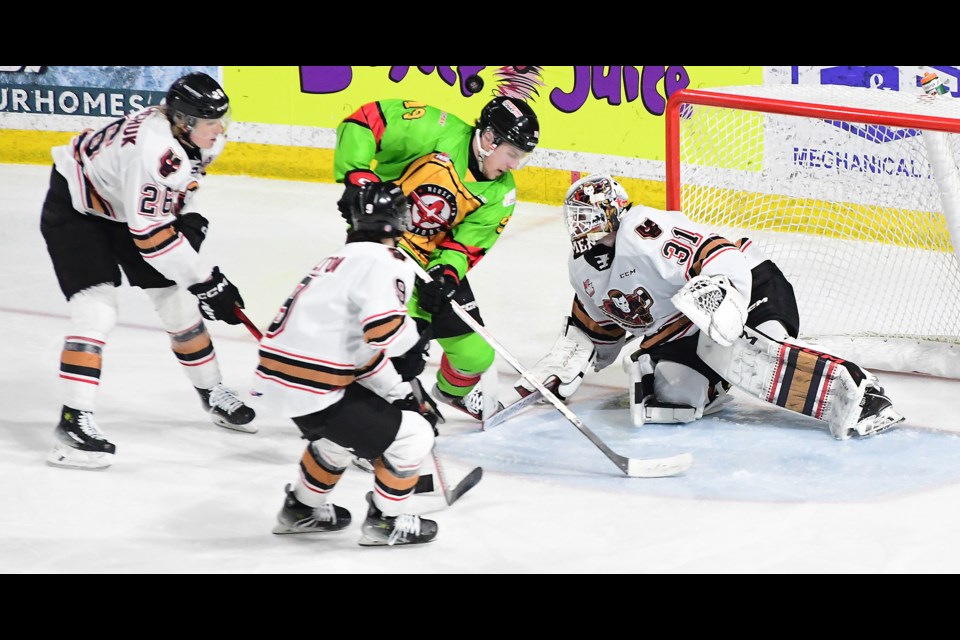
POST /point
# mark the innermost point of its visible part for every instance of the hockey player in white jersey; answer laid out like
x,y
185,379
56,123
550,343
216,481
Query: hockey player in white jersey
x,y
124,198
709,312
341,359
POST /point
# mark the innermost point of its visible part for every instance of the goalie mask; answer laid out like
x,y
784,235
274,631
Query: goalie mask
x,y
592,209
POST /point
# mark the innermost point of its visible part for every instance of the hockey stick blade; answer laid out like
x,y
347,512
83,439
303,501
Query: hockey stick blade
x,y
469,482
511,410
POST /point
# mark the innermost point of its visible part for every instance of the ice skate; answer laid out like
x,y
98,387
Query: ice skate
x,y
876,415
226,410
380,530
470,404
296,517
80,445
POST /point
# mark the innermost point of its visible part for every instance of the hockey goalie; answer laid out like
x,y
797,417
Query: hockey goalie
x,y
709,313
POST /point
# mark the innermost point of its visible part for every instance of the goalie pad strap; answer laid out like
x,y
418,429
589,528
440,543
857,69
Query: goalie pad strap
x,y
644,407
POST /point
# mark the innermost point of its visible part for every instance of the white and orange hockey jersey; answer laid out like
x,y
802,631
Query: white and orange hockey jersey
x,y
341,324
627,287
134,171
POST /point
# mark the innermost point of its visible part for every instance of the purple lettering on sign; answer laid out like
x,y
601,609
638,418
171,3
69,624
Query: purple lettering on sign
x,y
447,74
570,102
651,85
618,82
325,79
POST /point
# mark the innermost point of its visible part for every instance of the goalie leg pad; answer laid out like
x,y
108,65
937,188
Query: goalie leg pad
x,y
793,377
563,368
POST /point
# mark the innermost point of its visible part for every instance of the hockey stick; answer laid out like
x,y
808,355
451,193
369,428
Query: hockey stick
x,y
522,403
248,323
633,467
511,410
471,479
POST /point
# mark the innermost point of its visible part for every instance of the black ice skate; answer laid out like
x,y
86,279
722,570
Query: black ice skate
x,y
226,410
80,445
470,404
877,413
296,517
380,530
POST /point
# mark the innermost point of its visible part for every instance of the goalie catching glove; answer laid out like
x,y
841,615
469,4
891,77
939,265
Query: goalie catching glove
x,y
715,306
562,370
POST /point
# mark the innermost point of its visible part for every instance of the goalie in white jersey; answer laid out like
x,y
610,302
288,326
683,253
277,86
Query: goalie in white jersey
x,y
709,312
341,359
124,197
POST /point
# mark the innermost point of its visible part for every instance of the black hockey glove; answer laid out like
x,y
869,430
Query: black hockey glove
x,y
217,298
193,226
421,402
437,294
411,364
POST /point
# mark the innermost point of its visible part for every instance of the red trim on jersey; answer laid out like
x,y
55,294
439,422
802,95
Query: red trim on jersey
x,y
370,116
473,254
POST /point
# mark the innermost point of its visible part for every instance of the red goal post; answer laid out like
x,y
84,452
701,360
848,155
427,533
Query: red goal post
x,y
853,192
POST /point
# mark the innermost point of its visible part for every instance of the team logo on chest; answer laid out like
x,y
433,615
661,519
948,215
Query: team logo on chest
x,y
432,209
629,309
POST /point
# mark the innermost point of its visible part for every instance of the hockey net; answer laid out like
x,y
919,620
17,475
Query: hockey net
x,y
854,193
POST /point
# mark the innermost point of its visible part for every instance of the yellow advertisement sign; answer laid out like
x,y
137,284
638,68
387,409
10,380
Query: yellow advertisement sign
x,y
601,110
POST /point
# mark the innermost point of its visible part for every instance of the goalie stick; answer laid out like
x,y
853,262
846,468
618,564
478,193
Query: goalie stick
x,y
450,495
633,467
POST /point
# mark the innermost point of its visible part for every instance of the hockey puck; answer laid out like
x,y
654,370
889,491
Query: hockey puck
x,y
474,84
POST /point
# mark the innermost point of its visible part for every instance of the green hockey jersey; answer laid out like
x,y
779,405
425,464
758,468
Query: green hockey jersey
x,y
457,216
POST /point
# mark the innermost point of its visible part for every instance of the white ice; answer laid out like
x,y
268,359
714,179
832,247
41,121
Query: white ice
x,y
769,492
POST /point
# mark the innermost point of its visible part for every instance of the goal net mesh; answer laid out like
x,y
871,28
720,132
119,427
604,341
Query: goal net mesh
x,y
852,192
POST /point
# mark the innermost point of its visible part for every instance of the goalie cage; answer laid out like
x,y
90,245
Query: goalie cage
x,y
853,192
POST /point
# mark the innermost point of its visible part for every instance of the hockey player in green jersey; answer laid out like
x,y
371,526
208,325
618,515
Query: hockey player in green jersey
x,y
458,180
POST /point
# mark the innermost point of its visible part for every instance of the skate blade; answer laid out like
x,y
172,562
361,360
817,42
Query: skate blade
x,y
282,529
882,422
367,541
242,428
67,457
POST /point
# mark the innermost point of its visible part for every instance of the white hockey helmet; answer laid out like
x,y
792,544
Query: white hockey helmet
x,y
592,208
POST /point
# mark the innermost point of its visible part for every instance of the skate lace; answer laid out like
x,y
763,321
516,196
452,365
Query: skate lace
x,y
473,401
403,525
325,513
86,424
224,398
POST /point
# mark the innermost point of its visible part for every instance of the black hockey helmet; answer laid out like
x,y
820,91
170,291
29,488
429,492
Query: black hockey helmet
x,y
196,96
513,120
379,209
